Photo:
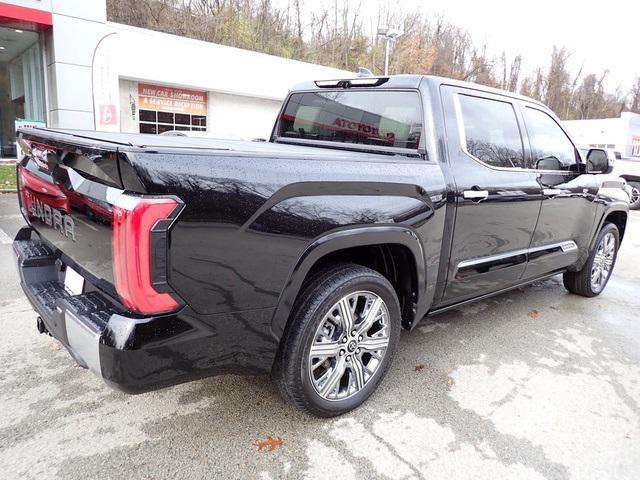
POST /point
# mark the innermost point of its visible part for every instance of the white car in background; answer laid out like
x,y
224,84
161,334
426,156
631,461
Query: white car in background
x,y
629,169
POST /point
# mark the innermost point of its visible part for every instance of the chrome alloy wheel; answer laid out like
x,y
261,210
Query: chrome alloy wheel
x,y
603,262
349,345
635,196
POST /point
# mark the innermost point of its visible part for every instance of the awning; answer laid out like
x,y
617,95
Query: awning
x,y
24,18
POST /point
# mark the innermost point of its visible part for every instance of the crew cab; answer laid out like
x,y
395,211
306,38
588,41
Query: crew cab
x,y
376,202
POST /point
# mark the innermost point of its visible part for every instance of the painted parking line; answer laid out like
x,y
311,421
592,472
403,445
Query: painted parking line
x,y
4,238
11,216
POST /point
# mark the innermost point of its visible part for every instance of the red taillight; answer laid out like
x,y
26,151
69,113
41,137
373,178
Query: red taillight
x,y
133,220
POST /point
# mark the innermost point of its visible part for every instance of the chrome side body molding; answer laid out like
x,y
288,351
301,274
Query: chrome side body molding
x,y
474,266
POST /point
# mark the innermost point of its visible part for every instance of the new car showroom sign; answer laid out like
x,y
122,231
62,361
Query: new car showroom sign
x,y
174,100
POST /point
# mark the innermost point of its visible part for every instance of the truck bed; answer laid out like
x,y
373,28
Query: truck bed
x,y
212,146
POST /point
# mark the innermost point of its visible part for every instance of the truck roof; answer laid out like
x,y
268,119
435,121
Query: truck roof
x,y
414,81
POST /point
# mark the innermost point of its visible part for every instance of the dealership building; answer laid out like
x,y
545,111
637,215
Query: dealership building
x,y
621,134
62,64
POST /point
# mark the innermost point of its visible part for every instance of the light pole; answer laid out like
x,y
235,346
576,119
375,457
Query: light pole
x,y
390,35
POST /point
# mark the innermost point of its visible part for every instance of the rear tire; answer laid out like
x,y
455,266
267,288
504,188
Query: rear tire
x,y
634,204
344,330
591,280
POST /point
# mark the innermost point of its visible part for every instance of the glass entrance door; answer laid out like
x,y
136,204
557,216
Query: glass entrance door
x,y
21,85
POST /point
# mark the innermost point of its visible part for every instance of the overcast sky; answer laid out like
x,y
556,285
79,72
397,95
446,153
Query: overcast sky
x,y
600,35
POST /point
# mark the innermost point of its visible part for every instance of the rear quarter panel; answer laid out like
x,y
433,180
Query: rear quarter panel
x,y
247,221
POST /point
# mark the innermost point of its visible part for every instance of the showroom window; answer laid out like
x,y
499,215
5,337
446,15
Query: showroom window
x,y
155,122
635,147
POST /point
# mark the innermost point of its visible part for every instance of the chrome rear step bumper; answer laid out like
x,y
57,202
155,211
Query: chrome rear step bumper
x,y
77,321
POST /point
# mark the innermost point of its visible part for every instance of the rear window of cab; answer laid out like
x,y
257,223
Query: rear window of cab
x,y
381,118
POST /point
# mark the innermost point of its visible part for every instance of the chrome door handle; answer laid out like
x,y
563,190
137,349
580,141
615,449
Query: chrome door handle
x,y
551,192
475,194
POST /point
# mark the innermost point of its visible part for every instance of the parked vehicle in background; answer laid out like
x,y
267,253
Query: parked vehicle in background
x,y
629,169
377,201
623,167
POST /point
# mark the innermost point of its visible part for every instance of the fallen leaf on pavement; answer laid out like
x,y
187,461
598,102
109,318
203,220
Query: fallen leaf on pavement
x,y
419,368
533,314
55,346
270,442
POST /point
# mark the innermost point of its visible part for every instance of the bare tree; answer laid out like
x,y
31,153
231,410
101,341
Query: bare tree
x,y
634,103
333,34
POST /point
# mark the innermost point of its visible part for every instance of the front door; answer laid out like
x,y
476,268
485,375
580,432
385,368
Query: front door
x,y
497,198
567,214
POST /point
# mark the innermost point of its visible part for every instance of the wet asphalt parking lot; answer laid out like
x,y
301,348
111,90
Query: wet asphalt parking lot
x,y
532,384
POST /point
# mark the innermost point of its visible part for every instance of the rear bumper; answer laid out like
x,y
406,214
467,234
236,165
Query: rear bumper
x,y
98,333
132,353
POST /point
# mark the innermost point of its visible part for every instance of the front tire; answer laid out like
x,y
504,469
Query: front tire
x,y
634,203
591,280
344,330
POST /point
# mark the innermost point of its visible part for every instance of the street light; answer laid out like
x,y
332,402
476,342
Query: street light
x,y
390,35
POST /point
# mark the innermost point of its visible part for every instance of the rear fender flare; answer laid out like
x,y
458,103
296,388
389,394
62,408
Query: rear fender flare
x,y
340,240
631,178
601,222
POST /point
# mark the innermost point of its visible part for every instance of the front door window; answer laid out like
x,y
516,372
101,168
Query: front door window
x,y
551,148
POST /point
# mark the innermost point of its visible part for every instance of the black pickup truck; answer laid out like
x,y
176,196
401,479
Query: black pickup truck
x,y
377,201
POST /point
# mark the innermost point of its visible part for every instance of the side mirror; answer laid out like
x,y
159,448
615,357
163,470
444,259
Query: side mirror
x,y
548,163
598,161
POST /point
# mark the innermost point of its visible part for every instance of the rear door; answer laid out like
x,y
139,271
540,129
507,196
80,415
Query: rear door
x,y
498,199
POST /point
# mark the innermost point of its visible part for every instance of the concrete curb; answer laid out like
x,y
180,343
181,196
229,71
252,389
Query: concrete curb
x,y
8,190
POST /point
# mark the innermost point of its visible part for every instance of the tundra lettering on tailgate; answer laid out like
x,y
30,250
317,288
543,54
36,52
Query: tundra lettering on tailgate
x,y
52,217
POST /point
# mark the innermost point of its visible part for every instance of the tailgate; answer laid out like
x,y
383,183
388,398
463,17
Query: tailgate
x,y
73,199
70,208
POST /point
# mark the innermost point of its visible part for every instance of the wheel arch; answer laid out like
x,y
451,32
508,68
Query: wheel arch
x,y
387,244
616,216
619,219
630,178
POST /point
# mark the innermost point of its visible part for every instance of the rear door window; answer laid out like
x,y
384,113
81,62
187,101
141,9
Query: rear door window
x,y
382,118
491,132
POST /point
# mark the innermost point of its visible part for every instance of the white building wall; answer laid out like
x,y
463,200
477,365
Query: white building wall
x,y
632,137
234,116
244,88
623,132
600,131
78,26
129,121
35,4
